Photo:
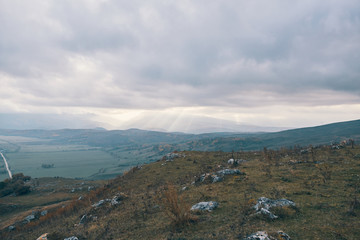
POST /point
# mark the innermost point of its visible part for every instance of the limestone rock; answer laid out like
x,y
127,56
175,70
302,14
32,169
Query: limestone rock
x,y
29,218
260,235
264,205
83,219
267,203
12,227
216,178
267,213
228,172
209,206
232,161
98,204
263,235
71,238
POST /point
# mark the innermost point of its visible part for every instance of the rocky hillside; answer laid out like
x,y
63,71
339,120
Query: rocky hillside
x,y
308,193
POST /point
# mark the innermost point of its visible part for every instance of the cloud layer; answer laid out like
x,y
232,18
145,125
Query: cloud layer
x,y
158,55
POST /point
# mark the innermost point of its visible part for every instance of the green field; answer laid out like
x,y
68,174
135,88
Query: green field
x,y
27,155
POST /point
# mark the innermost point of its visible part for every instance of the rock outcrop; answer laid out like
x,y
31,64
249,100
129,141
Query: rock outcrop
x,y
71,238
29,218
264,205
208,206
260,235
263,235
267,203
218,176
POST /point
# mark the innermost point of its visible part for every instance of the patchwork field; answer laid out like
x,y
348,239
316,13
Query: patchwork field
x,y
37,158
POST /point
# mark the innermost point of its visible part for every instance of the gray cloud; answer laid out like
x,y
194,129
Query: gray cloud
x,y
156,54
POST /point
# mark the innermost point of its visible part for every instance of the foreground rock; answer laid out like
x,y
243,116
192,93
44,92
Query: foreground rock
x,y
209,206
264,205
263,235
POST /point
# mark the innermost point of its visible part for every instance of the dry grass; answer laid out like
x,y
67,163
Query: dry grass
x,y
323,208
175,207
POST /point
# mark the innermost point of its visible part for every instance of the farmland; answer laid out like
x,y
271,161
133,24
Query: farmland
x,y
30,155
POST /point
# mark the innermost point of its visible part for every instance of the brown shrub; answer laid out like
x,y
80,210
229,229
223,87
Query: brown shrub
x,y
175,207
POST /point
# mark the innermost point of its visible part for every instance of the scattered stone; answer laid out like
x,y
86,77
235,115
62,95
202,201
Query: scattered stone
x,y
98,204
263,235
266,213
114,201
209,206
232,161
304,151
260,235
44,213
12,227
218,176
118,198
267,203
71,238
29,218
204,176
83,219
216,179
228,172
264,205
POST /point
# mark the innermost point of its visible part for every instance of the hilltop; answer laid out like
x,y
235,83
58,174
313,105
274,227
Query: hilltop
x,y
110,153
153,201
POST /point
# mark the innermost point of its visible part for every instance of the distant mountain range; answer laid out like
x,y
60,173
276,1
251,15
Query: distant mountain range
x,y
225,141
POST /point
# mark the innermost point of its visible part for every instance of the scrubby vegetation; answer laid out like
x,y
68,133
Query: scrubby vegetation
x,y
322,181
16,185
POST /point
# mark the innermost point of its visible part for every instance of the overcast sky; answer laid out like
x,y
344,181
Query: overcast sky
x,y
178,65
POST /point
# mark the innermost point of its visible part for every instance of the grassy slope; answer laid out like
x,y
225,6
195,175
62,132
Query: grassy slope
x,y
47,193
322,205
324,134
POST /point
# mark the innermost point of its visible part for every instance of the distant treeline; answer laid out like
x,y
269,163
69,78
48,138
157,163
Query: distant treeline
x,y
47,165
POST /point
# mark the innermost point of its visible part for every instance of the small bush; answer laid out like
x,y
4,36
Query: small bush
x,y
175,207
